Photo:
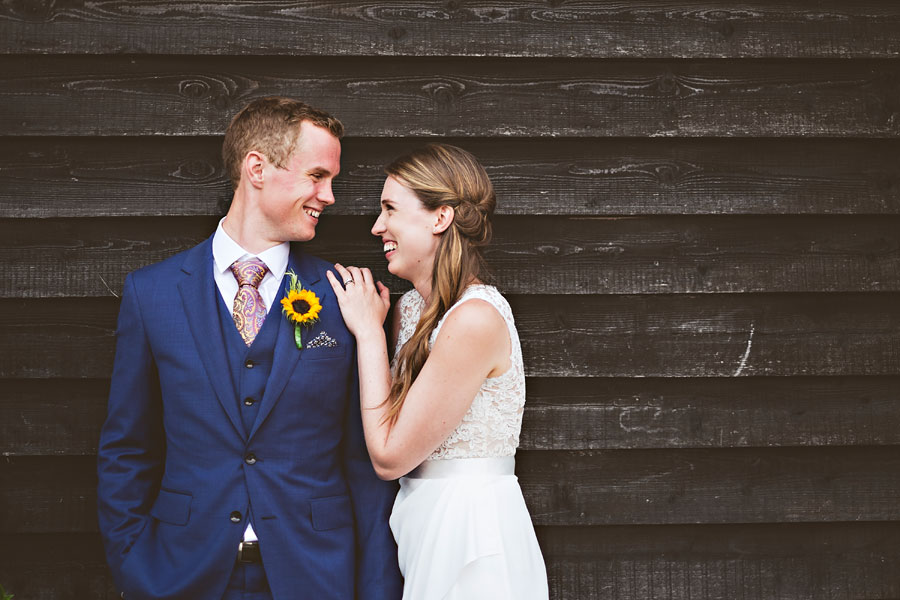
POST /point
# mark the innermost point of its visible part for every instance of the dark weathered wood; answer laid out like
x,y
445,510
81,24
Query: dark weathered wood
x,y
790,485
719,335
528,255
52,417
711,486
55,567
63,417
149,177
580,414
833,561
572,29
839,561
191,96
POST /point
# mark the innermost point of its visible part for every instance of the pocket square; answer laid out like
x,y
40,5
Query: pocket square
x,y
323,340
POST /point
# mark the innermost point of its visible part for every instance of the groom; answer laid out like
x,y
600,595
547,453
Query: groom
x,y
232,462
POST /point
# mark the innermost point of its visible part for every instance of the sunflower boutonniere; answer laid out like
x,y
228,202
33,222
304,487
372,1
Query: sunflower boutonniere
x,y
300,306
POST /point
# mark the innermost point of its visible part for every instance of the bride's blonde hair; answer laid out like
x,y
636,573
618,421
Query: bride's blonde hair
x,y
443,175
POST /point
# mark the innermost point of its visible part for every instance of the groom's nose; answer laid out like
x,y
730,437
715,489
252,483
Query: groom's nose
x,y
325,195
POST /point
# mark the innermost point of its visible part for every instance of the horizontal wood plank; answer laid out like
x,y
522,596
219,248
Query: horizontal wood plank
x,y
835,561
600,414
563,336
711,486
628,487
150,177
63,417
528,255
185,96
523,29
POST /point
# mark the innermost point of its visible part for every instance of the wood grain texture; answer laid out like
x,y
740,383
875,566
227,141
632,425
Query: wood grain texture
x,y
185,96
151,177
605,414
528,255
711,486
835,561
525,29
827,561
633,487
563,336
63,417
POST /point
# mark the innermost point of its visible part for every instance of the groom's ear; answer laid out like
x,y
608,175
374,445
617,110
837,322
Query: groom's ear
x,y
253,168
444,218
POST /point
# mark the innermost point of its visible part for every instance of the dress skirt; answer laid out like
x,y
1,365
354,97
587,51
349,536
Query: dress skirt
x,y
463,532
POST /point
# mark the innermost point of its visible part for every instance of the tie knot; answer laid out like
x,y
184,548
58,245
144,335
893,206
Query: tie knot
x,y
249,272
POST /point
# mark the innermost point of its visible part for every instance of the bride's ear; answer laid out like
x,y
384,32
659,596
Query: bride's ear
x,y
444,218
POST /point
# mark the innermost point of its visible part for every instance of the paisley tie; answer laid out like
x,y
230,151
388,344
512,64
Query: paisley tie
x,y
249,310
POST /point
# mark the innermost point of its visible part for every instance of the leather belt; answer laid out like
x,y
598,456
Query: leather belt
x,y
248,552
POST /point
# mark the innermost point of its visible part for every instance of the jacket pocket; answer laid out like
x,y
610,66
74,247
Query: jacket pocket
x,y
172,507
331,513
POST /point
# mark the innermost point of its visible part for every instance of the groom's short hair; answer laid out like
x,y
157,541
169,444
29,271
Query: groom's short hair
x,y
271,126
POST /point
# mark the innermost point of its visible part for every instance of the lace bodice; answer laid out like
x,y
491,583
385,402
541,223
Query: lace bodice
x,y
492,424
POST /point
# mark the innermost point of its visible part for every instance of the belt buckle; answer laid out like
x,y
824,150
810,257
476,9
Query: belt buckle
x,y
248,552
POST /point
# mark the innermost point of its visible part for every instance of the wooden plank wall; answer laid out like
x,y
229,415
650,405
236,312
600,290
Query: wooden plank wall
x,y
698,230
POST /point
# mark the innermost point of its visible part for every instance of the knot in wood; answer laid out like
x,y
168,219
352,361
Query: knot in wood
x,y
397,32
665,174
195,169
193,88
667,84
34,12
444,95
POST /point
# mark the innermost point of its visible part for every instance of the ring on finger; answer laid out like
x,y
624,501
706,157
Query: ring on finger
x,y
348,282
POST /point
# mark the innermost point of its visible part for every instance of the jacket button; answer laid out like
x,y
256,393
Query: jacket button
x,y
250,459
249,401
236,517
249,364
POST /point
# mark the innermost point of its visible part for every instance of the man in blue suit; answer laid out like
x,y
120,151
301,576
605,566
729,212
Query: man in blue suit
x,y
232,463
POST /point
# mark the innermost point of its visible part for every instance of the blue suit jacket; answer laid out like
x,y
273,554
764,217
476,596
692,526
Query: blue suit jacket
x,y
175,493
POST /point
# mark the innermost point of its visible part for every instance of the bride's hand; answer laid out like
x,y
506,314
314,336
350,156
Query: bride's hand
x,y
364,302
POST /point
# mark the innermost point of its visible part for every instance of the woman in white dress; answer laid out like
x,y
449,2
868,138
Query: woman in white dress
x,y
445,416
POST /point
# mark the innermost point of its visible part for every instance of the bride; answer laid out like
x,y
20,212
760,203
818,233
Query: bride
x,y
445,416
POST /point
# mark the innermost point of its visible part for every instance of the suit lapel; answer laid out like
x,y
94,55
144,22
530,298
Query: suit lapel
x,y
199,293
286,354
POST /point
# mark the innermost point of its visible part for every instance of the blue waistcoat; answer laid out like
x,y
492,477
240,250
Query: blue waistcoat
x,y
250,383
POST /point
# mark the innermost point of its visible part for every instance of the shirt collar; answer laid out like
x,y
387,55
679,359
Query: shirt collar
x,y
225,251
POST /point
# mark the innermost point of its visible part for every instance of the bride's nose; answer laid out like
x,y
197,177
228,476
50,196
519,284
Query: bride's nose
x,y
378,227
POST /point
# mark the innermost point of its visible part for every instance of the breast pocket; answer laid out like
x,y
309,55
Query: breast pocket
x,y
323,353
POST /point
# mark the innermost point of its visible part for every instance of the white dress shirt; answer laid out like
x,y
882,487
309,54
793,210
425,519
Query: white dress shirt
x,y
225,251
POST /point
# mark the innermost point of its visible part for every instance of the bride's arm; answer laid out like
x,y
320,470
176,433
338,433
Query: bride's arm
x,y
473,342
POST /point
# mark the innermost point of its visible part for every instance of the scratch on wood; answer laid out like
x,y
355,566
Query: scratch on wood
x,y
107,286
746,352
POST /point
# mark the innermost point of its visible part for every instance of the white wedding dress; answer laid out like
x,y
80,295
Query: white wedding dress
x,y
462,528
